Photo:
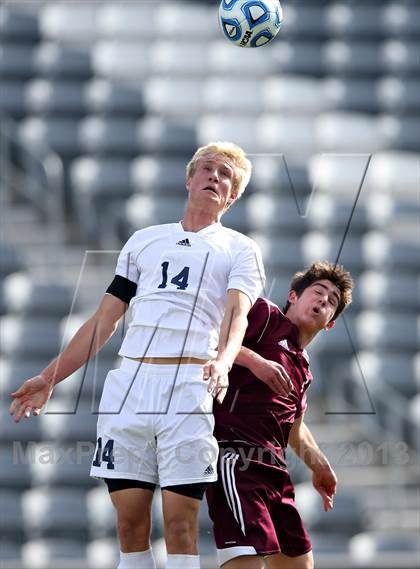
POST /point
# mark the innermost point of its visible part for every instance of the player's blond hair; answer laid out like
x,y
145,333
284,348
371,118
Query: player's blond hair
x,y
319,271
234,154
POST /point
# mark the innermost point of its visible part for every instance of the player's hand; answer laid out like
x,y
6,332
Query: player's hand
x,y
324,481
30,397
273,375
216,373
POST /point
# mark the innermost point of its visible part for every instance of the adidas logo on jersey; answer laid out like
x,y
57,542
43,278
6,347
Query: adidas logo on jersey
x,y
209,471
184,242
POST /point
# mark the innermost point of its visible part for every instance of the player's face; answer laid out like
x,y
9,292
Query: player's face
x,y
212,182
317,305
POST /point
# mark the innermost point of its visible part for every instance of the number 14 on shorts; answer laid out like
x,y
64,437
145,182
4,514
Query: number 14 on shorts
x,y
104,454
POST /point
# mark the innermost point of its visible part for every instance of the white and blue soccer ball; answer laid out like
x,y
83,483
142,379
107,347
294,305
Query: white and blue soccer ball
x,y
250,23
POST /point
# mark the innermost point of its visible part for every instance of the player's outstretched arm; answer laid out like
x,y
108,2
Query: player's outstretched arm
x,y
232,331
88,340
269,372
324,478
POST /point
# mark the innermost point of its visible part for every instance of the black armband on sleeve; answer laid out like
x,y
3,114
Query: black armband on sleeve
x,y
122,288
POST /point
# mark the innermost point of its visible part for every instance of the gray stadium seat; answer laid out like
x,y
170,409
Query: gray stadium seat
x,y
390,369
280,253
346,518
86,384
14,465
381,252
142,211
334,345
113,136
57,60
395,332
29,337
172,96
130,61
58,134
351,58
400,57
14,372
39,553
166,136
10,551
322,544
112,97
127,21
170,22
244,95
77,422
69,22
368,546
362,133
64,97
11,522
26,430
95,183
290,93
16,61
317,245
236,217
274,214
398,94
304,21
281,131
180,59
281,176
380,290
55,512
11,98
239,129
103,553
400,133
345,19
159,176
350,94
63,464
18,26
11,259
299,57
328,214
396,173
401,19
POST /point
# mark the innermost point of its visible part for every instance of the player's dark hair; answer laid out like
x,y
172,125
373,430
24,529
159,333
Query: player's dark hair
x,y
319,271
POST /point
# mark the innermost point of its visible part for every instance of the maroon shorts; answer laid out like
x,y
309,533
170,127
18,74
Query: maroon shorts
x,y
252,506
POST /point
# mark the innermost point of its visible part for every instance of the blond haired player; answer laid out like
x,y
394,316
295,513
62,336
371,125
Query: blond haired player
x,y
190,286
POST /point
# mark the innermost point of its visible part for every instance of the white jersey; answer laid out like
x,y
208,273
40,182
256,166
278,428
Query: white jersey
x,y
182,282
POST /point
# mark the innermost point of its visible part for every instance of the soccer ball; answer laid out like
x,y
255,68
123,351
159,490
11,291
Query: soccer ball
x,y
250,23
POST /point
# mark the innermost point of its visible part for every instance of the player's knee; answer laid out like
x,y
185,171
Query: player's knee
x,y
180,532
133,531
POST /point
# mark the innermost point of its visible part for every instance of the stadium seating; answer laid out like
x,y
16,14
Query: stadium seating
x,y
55,512
40,553
123,92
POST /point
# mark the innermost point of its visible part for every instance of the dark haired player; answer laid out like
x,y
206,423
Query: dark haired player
x,y
252,504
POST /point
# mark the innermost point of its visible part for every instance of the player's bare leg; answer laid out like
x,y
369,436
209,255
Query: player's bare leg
x,y
245,562
180,515
133,507
281,561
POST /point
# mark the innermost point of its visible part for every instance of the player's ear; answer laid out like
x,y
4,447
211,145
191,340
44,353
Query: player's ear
x,y
292,296
330,325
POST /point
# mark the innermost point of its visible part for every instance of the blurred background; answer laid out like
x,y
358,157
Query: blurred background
x,y
102,104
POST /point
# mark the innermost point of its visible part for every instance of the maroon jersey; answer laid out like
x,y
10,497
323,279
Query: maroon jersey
x,y
252,414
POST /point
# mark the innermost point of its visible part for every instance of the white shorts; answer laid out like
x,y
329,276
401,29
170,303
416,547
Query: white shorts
x,y
156,425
